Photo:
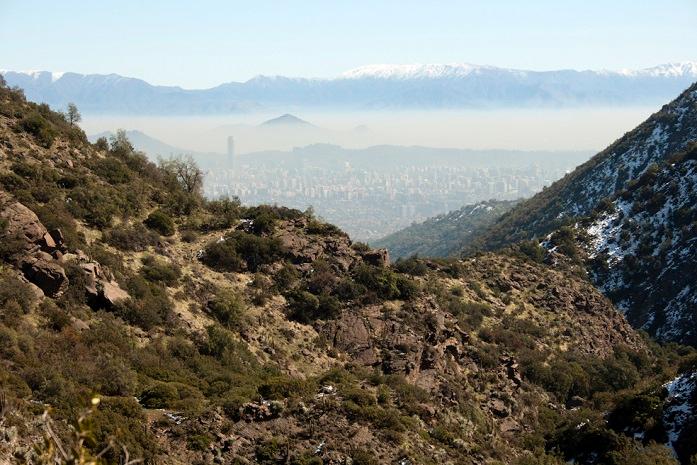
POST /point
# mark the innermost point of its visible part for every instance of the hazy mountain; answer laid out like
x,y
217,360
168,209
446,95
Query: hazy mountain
x,y
286,120
443,235
371,87
166,329
144,143
155,148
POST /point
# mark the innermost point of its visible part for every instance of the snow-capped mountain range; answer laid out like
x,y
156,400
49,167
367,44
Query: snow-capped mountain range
x,y
429,86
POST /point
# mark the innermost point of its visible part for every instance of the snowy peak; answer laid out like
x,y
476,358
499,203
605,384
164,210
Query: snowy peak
x,y
404,72
51,76
674,70
461,70
380,87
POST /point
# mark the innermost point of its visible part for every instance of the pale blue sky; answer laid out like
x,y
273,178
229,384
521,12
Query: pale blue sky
x,y
203,43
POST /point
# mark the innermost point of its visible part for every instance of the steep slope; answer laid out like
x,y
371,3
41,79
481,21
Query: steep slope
x,y
443,235
662,135
371,87
641,249
209,332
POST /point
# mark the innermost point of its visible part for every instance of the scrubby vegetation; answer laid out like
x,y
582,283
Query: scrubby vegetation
x,y
264,335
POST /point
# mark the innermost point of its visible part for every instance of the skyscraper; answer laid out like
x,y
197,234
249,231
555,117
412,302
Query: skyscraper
x,y
231,151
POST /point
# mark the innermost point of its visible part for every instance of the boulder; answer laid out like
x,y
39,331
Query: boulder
x,y
22,225
101,288
499,408
351,334
112,293
44,271
32,246
377,257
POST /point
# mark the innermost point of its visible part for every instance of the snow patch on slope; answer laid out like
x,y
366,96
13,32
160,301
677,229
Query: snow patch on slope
x,y
679,408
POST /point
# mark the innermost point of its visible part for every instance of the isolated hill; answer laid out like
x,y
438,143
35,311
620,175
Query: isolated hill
x,y
371,87
286,120
662,135
207,332
144,143
443,235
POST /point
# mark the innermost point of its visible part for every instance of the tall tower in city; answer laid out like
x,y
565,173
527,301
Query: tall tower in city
x,y
231,151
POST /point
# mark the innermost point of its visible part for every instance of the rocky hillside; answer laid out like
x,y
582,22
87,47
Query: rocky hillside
x,y
664,134
139,320
443,235
640,248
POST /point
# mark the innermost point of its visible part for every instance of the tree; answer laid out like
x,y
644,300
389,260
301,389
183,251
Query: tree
x,y
74,115
187,173
120,145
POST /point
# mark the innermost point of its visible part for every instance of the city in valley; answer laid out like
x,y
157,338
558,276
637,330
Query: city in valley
x,y
371,193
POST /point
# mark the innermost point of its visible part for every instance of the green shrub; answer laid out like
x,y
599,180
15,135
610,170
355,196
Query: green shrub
x,y
286,277
264,223
239,249
225,212
363,457
385,283
54,215
94,204
161,222
149,305
228,308
199,442
169,395
13,291
112,170
271,452
155,270
56,318
284,387
360,247
411,265
136,238
36,125
317,227
303,306
121,420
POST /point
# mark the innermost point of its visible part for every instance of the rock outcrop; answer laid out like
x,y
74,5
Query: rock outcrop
x,y
41,255
31,247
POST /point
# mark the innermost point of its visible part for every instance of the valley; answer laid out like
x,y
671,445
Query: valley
x,y
207,331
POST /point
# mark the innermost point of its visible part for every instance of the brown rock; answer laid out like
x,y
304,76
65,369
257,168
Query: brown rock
x,y
498,408
57,236
42,270
351,334
509,425
377,257
112,293
48,242
22,225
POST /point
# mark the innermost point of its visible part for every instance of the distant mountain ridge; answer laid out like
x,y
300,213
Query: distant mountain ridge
x,y
443,235
369,87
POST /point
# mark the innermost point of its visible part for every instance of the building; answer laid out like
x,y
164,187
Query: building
x,y
230,151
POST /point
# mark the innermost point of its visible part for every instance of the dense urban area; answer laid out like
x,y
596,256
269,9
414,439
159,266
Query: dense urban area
x,y
370,203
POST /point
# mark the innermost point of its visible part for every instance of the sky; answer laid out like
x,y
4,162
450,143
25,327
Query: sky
x,y
204,43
